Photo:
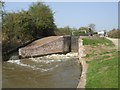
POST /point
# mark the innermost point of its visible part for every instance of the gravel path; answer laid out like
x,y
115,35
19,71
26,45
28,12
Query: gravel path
x,y
116,42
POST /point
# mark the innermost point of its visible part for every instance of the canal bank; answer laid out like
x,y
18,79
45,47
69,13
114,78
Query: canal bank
x,y
102,58
84,65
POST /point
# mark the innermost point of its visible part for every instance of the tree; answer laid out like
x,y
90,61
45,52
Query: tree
x,y
81,31
114,33
64,31
18,27
84,29
23,26
1,12
92,26
1,7
42,16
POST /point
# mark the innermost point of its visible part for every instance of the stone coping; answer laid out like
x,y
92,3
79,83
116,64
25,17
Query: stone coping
x,y
42,41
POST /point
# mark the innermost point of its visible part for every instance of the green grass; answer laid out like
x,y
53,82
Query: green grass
x,y
104,53
103,74
119,69
98,41
102,64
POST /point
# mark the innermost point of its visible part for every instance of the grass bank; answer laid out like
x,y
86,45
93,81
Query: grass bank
x,y
102,59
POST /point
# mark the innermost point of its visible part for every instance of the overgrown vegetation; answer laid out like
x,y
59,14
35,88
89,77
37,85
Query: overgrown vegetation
x,y
63,31
115,33
71,31
22,26
82,31
103,64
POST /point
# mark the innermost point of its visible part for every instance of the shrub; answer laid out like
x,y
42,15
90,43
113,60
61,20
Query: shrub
x,y
64,31
114,33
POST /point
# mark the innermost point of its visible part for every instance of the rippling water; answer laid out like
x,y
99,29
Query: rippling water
x,y
52,71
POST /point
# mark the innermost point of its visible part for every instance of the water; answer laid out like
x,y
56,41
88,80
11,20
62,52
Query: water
x,y
52,71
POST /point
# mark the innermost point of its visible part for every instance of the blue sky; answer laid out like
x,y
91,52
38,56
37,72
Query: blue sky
x,y
76,14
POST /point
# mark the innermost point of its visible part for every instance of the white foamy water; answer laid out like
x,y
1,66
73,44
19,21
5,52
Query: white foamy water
x,y
46,60
51,71
54,58
38,60
62,56
18,62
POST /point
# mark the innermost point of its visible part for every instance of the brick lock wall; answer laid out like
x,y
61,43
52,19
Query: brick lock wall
x,y
59,45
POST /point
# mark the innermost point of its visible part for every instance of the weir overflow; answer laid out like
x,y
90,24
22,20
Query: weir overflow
x,y
53,70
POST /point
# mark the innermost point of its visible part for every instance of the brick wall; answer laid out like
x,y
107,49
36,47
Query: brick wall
x,y
56,44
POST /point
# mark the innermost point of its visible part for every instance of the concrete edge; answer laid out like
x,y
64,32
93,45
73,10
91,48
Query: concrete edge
x,y
82,81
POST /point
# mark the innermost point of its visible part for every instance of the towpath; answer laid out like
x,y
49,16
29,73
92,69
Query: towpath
x,y
116,42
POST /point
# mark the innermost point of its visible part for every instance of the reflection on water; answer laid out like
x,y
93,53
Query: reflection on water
x,y
52,71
